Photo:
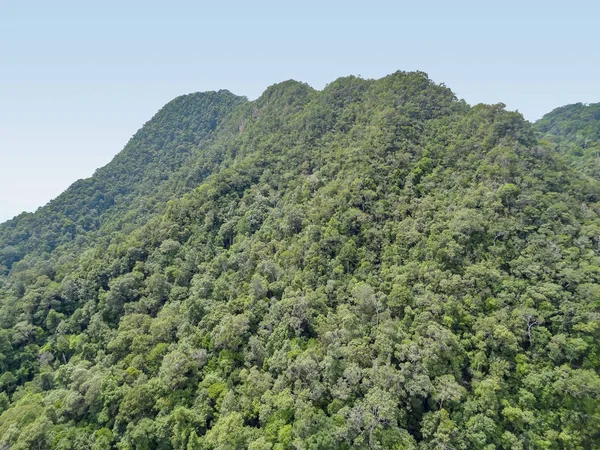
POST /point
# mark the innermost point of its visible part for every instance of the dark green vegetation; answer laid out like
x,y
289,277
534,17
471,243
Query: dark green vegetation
x,y
575,129
169,156
375,265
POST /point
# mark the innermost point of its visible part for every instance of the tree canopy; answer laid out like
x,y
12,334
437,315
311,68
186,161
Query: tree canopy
x,y
377,265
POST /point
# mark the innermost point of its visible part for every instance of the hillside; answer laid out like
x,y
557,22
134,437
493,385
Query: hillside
x,y
575,130
373,265
165,158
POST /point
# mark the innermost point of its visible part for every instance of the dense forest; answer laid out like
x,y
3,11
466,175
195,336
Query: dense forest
x,y
376,265
575,129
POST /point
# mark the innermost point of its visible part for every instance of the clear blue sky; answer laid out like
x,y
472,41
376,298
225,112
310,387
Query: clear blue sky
x,y
78,78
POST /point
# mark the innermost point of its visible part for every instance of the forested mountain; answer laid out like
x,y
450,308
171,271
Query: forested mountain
x,y
166,157
373,265
575,129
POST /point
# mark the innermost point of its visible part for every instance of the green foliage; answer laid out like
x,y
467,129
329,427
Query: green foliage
x,y
373,265
575,131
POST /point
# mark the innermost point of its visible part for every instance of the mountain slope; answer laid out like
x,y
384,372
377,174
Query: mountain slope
x,y
373,265
575,130
162,159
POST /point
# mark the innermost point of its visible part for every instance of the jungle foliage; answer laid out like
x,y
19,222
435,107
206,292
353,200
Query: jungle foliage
x,y
575,129
373,265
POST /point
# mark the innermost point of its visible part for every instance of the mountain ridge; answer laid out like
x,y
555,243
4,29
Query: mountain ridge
x,y
373,265
151,155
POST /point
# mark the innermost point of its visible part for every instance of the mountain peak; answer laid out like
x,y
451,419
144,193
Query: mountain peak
x,y
373,265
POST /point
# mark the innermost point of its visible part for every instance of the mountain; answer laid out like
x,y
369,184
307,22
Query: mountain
x,y
575,130
374,265
165,158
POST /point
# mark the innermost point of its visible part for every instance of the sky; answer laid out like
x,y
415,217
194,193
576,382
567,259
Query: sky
x,y
78,79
